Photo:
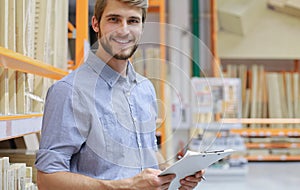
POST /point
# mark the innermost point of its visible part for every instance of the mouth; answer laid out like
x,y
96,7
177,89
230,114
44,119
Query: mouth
x,y
122,41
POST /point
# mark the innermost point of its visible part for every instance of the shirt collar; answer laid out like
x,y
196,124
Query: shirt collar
x,y
107,73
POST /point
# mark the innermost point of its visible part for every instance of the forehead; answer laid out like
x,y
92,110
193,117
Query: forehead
x,y
115,7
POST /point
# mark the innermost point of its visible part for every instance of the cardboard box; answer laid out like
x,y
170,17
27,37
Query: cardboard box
x,y
290,7
239,16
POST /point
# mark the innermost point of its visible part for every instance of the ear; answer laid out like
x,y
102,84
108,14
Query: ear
x,y
95,24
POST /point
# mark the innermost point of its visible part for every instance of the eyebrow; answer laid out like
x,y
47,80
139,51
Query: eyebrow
x,y
116,15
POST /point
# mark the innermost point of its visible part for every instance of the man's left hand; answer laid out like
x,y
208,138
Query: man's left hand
x,y
190,182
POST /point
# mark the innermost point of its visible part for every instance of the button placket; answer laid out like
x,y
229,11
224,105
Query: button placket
x,y
135,124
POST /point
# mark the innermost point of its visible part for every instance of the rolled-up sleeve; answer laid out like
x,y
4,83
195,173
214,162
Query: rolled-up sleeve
x,y
60,136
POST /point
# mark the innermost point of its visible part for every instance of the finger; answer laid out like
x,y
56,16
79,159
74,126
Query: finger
x,y
182,188
167,178
185,188
199,174
165,186
188,184
193,179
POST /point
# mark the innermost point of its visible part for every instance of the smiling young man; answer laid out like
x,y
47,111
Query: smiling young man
x,y
99,122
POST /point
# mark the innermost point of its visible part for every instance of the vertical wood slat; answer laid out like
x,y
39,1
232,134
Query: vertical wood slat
x,y
30,41
4,23
4,97
296,97
20,48
12,91
42,48
12,46
60,34
254,88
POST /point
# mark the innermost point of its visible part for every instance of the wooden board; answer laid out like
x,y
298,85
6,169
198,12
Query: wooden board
x,y
30,28
21,101
12,91
254,92
296,97
43,10
12,25
12,46
60,34
37,91
265,100
274,104
30,9
21,21
4,98
4,23
20,26
289,96
290,7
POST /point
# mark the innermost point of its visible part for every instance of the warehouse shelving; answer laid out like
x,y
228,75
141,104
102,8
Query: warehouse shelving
x,y
272,145
270,132
16,61
273,158
13,126
267,132
258,45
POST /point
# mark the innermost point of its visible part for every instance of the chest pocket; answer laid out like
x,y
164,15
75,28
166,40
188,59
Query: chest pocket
x,y
119,142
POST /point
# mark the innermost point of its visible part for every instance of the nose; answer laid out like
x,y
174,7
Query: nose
x,y
124,28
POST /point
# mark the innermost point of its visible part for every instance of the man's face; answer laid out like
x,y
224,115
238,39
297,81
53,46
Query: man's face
x,y
120,29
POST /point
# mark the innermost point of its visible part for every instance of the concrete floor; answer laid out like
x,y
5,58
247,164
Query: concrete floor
x,y
260,176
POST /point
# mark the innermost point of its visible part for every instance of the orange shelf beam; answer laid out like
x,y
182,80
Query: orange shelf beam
x,y
272,145
19,125
17,136
273,158
82,18
266,132
16,61
162,20
214,39
154,3
262,121
16,117
154,6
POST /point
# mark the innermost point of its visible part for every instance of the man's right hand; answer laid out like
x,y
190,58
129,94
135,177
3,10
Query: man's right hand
x,y
146,180
149,179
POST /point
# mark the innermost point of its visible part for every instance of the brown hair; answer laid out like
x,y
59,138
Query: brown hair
x,y
101,4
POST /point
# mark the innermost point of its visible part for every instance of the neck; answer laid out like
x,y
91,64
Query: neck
x,y
119,66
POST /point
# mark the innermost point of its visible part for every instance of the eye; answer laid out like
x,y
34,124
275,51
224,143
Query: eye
x,y
133,21
113,19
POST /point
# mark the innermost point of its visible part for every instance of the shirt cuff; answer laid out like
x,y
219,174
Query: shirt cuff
x,y
50,161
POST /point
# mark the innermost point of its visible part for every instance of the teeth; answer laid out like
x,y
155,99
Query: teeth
x,y
122,41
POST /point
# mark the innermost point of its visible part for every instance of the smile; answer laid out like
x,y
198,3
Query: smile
x,y
122,41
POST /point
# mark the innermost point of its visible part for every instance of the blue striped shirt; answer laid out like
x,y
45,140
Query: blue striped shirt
x,y
98,123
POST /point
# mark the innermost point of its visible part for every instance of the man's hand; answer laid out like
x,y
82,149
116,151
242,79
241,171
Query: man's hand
x,y
149,179
190,182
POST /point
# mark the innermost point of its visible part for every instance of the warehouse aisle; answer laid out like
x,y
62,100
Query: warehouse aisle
x,y
261,176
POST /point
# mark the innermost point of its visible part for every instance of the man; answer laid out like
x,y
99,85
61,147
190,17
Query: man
x,y
99,122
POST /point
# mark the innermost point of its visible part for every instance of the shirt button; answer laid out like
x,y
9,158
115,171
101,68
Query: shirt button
x,y
127,93
140,145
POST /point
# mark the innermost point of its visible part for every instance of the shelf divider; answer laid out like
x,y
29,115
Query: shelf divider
x,y
16,61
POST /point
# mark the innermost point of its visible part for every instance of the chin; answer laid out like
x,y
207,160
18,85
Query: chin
x,y
124,55
121,56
